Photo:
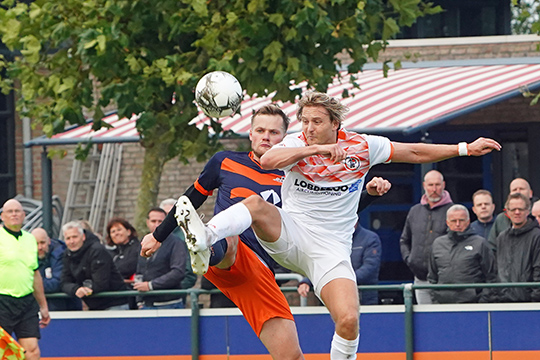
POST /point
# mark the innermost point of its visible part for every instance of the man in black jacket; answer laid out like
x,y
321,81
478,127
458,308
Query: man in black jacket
x,y
518,251
165,269
425,222
89,269
460,257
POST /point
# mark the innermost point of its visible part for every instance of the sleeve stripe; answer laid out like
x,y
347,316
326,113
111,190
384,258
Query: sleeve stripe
x,y
202,190
391,152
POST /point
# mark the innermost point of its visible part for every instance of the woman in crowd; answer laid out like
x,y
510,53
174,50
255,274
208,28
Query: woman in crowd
x,y
124,246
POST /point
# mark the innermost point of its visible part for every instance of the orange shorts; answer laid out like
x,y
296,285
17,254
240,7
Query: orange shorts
x,y
252,287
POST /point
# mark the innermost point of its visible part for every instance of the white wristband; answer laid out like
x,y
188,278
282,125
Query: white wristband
x,y
462,149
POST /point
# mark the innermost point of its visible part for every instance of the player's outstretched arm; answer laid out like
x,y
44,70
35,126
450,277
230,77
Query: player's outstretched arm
x,y
280,157
419,153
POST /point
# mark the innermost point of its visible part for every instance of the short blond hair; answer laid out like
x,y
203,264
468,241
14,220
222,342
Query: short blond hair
x,y
335,108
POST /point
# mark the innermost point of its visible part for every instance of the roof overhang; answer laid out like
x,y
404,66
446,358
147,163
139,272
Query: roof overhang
x,y
411,99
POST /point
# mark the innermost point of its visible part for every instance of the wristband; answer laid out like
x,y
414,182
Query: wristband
x,y
463,149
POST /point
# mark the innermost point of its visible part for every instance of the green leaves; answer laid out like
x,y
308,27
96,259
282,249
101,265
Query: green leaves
x,y
273,51
10,29
526,20
390,28
31,48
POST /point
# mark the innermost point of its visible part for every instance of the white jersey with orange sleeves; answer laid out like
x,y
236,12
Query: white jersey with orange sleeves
x,y
319,193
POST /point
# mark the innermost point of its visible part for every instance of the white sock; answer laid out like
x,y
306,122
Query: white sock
x,y
232,221
343,349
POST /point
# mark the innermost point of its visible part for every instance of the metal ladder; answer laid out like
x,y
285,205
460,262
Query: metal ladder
x,y
92,187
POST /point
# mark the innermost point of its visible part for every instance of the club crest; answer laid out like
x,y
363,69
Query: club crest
x,y
351,163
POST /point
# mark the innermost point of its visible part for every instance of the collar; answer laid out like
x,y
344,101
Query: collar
x,y
252,157
15,234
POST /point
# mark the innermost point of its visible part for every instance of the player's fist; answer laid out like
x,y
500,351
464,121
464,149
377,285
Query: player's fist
x,y
149,245
378,186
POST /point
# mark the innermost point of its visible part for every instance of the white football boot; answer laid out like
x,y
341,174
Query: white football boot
x,y
195,233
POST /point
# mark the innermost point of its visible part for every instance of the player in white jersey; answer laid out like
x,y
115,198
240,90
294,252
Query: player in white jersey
x,y
325,168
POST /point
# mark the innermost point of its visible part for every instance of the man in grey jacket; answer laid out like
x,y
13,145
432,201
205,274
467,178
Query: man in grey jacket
x,y
425,222
518,251
460,257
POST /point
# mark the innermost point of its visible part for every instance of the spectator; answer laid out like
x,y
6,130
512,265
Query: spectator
x,y
460,257
89,268
425,222
502,221
21,288
165,269
88,227
50,255
483,207
518,251
366,262
123,245
535,211
190,279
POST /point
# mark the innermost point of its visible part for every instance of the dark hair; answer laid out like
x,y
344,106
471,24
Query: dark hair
x,y
272,109
124,223
157,209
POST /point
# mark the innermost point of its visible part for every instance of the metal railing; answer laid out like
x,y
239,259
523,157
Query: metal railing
x,y
406,288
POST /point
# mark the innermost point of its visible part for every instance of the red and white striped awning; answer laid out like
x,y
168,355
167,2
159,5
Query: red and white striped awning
x,y
406,101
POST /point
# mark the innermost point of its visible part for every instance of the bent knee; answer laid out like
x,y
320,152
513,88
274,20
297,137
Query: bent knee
x,y
348,322
32,353
254,201
257,205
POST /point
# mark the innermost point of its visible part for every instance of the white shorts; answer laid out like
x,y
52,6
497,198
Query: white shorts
x,y
310,251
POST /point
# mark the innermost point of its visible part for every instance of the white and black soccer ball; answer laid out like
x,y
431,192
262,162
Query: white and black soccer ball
x,y
218,94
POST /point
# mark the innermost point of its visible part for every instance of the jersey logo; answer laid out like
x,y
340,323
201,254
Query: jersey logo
x,y
271,196
356,185
268,195
351,163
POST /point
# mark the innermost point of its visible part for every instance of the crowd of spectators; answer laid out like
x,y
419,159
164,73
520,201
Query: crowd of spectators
x,y
439,244
85,263
503,248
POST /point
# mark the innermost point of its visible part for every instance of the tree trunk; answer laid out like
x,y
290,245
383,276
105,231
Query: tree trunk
x,y
155,158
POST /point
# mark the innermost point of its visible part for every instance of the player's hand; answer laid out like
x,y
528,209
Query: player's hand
x,y
335,152
83,291
482,146
45,317
378,186
303,289
141,286
149,245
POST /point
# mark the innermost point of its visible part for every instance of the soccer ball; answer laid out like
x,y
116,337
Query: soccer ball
x,y
218,94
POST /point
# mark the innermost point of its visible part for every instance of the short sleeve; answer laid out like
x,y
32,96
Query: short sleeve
x,y
290,141
380,149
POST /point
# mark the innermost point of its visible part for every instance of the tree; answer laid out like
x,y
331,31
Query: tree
x,y
526,17
77,55
526,20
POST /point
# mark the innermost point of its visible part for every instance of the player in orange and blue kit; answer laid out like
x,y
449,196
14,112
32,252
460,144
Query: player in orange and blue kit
x,y
242,270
